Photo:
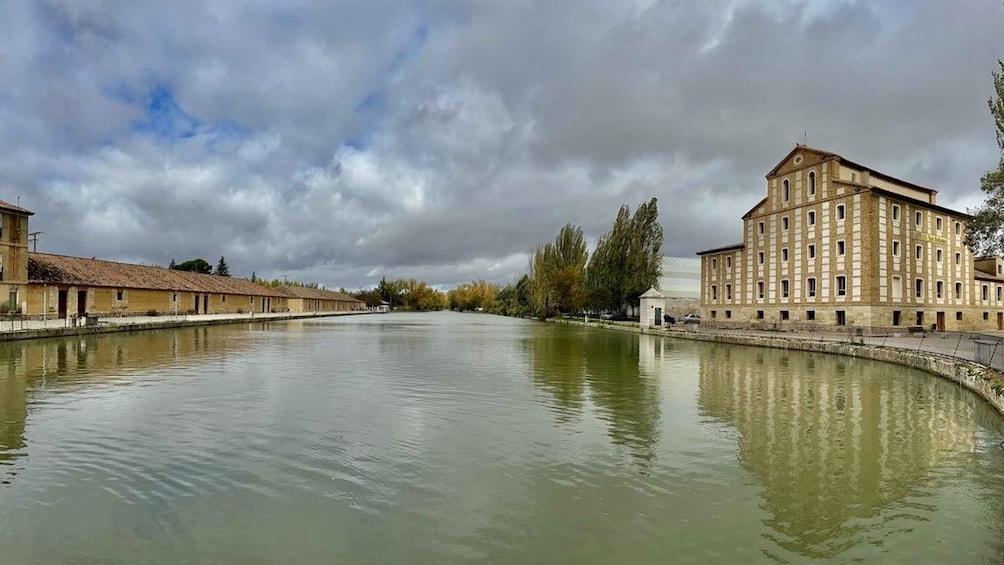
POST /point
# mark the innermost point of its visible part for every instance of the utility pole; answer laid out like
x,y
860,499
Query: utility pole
x,y
33,240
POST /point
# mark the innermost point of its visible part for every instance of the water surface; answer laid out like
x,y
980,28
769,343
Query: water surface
x,y
449,438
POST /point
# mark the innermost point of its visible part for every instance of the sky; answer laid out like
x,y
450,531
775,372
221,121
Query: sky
x,y
343,141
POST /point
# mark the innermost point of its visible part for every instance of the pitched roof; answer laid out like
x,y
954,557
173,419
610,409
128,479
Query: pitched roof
x,y
294,291
12,208
62,269
722,249
652,293
828,155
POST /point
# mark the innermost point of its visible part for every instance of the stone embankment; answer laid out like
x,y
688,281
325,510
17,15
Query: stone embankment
x,y
11,330
983,380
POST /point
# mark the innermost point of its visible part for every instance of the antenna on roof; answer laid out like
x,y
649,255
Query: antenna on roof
x,y
805,137
33,239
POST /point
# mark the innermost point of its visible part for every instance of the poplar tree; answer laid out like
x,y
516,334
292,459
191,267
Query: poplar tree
x,y
985,232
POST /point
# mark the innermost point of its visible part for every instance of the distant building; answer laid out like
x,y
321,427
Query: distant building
x,y
681,277
836,243
302,299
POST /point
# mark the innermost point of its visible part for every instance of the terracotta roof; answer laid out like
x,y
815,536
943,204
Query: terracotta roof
x,y
61,269
293,291
12,208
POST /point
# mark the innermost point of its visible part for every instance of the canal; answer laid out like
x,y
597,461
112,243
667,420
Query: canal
x,y
452,438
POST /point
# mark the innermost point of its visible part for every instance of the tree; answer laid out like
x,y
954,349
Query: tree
x,y
627,260
253,277
985,232
173,265
196,266
222,269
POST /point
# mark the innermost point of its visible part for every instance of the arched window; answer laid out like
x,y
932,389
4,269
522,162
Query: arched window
x,y
786,192
812,182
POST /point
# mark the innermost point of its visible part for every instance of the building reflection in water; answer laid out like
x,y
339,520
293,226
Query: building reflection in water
x,y
600,368
110,359
837,443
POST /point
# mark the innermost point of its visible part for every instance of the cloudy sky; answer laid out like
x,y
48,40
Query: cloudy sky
x,y
342,141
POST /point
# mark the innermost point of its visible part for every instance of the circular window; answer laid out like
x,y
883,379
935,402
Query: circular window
x,y
798,159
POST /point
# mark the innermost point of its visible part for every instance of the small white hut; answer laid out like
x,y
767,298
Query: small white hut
x,y
653,304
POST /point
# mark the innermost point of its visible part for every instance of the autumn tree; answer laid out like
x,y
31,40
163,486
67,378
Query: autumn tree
x,y
627,260
985,232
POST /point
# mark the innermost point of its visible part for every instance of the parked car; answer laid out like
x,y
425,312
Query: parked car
x,y
606,316
690,319
669,320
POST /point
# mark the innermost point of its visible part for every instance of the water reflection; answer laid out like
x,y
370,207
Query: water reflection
x,y
600,368
114,359
842,448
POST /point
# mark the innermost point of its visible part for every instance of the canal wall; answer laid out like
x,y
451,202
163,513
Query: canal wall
x,y
125,324
983,380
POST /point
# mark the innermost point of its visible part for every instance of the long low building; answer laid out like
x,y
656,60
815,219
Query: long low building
x,y
836,243
304,299
59,285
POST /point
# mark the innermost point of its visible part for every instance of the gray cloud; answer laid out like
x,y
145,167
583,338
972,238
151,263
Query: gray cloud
x,y
437,139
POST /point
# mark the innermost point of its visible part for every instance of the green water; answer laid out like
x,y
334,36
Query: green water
x,y
449,438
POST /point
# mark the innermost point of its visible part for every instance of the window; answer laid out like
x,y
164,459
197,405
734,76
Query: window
x,y
986,315
895,213
223,298
714,313
841,285
958,228
728,292
728,314
919,252
759,289
118,294
811,218
784,223
920,318
999,294
938,255
760,227
759,314
728,262
812,250
784,314
840,248
174,297
784,289
759,257
986,291
810,285
895,249
918,288
958,316
786,191
840,212
919,219
937,223
958,258
896,314
812,182
841,318
784,254
810,315
714,263
958,290
939,289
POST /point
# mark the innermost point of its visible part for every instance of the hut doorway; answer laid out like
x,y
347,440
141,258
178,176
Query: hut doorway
x,y
61,304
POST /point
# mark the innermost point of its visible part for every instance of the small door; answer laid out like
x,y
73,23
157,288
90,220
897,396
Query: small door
x,y
1000,320
81,302
61,304
658,316
196,304
941,321
205,303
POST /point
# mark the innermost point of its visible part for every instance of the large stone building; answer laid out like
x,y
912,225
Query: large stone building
x,y
13,256
836,243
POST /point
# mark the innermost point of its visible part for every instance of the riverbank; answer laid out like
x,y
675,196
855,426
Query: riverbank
x,y
981,379
12,330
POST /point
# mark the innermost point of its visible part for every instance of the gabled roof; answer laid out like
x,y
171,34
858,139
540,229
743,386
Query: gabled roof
x,y
829,155
45,268
753,209
16,209
295,291
652,293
